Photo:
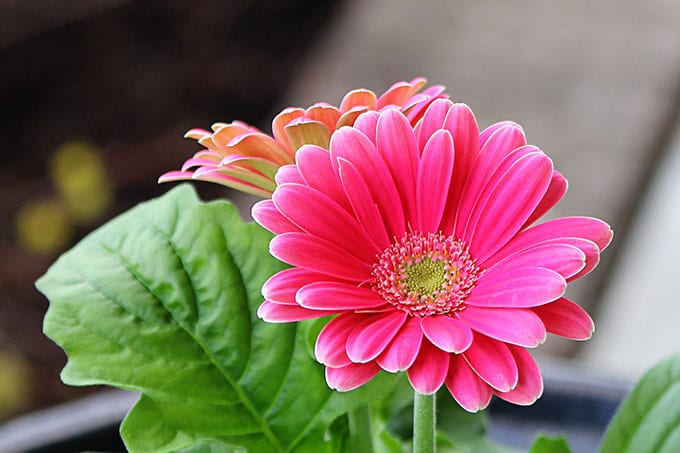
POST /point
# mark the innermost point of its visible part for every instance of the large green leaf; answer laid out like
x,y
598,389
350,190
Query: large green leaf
x,y
649,417
162,300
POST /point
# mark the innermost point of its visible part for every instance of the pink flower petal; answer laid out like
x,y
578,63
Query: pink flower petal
x,y
351,376
361,200
322,217
433,120
489,131
566,319
517,288
319,255
275,313
367,124
403,350
486,192
500,143
200,162
493,362
288,174
524,242
461,122
519,326
510,203
282,286
589,228
176,175
468,389
415,108
565,259
323,295
589,249
354,146
265,213
434,177
428,372
556,190
330,347
397,144
447,333
315,168
530,383
237,183
369,338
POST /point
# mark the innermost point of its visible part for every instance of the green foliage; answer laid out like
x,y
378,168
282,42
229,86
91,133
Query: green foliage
x,y
458,431
543,444
162,300
649,417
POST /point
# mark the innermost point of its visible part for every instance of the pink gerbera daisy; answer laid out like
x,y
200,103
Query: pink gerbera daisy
x,y
421,240
242,157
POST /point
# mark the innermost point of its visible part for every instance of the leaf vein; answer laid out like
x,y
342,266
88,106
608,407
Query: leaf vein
x,y
248,404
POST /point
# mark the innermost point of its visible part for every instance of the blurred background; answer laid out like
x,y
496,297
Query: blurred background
x,y
96,95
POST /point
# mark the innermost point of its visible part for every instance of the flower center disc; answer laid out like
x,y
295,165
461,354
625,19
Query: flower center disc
x,y
425,275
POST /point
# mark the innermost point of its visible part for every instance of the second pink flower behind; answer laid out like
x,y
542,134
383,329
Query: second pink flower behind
x,y
420,239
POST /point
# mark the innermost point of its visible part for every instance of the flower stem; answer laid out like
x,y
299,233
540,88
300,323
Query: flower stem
x,y
424,422
360,430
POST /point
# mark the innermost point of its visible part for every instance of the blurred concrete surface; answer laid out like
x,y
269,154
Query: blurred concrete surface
x,y
640,307
594,83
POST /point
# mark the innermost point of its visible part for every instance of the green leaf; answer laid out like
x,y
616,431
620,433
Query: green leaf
x,y
543,444
162,300
649,417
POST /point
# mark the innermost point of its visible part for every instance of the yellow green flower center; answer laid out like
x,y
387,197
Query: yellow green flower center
x,y
426,277
425,274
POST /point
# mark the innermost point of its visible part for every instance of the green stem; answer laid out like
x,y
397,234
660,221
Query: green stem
x,y
424,422
360,430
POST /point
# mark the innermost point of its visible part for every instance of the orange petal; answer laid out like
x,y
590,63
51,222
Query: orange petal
x,y
216,126
263,166
260,145
416,85
207,141
358,98
235,183
308,133
348,118
225,134
253,178
196,133
324,113
208,154
281,121
397,94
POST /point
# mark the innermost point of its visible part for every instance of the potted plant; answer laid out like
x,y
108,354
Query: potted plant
x,y
400,264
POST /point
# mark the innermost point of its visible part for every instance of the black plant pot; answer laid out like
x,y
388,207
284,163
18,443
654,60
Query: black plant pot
x,y
575,403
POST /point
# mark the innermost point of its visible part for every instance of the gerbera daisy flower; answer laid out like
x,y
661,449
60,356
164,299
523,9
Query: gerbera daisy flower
x,y
244,158
421,241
